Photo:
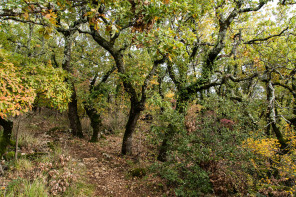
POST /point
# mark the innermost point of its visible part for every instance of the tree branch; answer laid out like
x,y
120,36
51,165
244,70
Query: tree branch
x,y
261,4
156,63
173,76
284,86
254,41
24,21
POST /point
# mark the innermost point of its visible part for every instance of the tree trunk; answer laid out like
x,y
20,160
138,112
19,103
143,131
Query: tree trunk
x,y
271,117
5,138
31,29
17,138
269,110
134,115
95,122
75,124
293,120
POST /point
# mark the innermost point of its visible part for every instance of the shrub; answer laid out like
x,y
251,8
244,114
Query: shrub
x,y
207,157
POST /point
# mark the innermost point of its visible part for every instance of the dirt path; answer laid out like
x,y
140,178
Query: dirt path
x,y
105,168
108,170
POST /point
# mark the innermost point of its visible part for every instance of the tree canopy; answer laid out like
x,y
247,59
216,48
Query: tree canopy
x,y
209,70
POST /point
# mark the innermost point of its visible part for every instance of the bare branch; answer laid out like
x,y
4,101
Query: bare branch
x,y
255,41
261,4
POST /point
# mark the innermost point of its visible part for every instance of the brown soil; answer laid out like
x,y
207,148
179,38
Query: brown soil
x,y
106,168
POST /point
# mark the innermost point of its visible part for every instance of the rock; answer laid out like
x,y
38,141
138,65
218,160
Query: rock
x,y
106,156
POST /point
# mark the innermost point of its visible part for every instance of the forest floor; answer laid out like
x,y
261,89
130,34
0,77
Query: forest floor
x,y
108,170
103,166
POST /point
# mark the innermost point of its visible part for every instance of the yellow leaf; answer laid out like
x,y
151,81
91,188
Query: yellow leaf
x,y
26,15
170,95
48,16
154,82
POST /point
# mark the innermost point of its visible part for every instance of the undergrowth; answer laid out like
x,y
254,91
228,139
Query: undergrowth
x,y
44,169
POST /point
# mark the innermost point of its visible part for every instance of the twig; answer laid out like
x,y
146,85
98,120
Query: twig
x,y
16,141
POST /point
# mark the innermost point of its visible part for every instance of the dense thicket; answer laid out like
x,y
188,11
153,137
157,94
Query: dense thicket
x,y
217,78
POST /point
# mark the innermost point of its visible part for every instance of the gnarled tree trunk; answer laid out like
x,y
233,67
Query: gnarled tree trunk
x,y
271,116
75,124
130,127
95,121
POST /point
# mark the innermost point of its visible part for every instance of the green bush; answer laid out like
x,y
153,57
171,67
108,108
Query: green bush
x,y
209,159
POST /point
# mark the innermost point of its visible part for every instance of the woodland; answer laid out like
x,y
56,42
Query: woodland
x,y
147,98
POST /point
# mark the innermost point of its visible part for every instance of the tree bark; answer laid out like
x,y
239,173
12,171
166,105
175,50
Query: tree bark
x,y
271,116
130,127
137,100
75,124
293,120
95,121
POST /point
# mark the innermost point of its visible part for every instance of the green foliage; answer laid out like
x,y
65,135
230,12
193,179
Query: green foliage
x,y
50,87
23,164
16,95
9,156
204,42
199,157
22,81
188,181
138,172
80,188
24,188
